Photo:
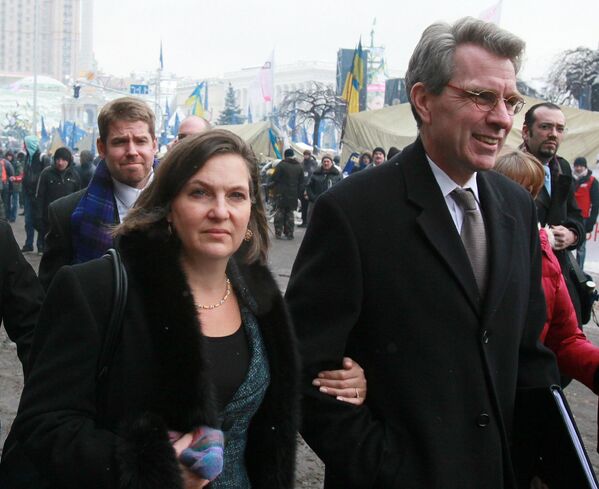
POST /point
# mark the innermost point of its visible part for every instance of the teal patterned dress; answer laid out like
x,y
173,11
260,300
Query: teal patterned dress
x,y
239,411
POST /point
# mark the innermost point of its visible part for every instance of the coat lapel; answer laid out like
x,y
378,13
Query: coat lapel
x,y
500,237
436,222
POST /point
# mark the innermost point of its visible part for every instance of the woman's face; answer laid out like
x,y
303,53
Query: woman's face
x,y
210,215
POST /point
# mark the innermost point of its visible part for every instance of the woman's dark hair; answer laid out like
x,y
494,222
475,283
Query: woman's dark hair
x,y
365,155
184,160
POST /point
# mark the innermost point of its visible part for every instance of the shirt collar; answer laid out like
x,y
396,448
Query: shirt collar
x,y
447,185
127,195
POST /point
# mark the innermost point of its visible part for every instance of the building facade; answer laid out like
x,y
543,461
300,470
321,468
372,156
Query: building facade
x,y
52,25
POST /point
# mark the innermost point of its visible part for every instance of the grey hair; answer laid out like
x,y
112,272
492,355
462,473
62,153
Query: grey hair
x,y
432,62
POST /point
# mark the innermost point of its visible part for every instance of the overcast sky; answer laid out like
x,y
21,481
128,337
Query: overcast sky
x,y
205,38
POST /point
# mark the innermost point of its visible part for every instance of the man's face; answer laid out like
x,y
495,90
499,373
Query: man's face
x,y
191,126
61,164
459,136
546,133
129,152
378,157
307,156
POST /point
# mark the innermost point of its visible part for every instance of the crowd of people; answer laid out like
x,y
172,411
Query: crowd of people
x,y
433,285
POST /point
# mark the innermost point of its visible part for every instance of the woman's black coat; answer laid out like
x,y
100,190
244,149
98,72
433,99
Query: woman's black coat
x,y
78,437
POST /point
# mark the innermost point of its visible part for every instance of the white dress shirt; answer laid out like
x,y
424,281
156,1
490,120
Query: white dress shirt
x,y
447,185
126,196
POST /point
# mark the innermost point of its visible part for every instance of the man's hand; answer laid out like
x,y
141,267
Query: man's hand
x,y
564,237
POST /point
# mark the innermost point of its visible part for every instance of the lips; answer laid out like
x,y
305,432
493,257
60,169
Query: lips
x,y
487,139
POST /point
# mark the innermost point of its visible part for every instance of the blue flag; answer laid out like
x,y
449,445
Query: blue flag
x,y
176,125
45,137
161,58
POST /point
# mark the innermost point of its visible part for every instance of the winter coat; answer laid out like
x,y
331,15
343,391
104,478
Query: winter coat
x,y
576,356
322,180
587,198
51,186
157,380
32,170
288,182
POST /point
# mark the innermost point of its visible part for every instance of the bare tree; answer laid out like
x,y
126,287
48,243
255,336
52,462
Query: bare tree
x,y
314,104
573,75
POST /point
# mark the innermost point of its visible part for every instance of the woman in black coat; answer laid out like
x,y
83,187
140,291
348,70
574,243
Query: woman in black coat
x,y
206,351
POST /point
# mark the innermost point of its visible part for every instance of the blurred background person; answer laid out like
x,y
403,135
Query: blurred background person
x,y
86,167
325,176
32,168
57,180
288,184
587,197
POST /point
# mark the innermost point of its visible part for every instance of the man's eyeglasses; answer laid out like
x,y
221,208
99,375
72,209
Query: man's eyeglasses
x,y
487,100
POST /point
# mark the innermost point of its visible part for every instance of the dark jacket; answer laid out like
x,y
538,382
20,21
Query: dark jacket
x,y
58,245
21,294
32,170
288,182
322,180
382,276
560,208
156,381
51,186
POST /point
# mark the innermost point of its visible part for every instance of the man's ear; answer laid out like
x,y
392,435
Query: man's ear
x,y
525,133
421,101
101,148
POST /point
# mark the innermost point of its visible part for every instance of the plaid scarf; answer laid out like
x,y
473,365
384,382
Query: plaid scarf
x,y
93,218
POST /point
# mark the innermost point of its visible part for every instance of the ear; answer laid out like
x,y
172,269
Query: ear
x,y
525,133
101,148
421,101
155,145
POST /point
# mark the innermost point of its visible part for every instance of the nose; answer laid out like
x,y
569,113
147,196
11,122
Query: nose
x,y
219,209
131,148
500,117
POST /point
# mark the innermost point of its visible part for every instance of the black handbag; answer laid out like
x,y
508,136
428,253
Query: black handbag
x,y
16,470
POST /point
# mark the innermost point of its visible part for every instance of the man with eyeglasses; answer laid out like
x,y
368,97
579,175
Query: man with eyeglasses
x,y
427,272
543,131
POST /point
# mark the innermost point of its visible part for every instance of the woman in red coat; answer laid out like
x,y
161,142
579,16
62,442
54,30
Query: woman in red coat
x,y
576,356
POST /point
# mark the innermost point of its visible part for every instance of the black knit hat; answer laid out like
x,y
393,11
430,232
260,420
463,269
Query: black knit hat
x,y
289,153
580,161
380,150
63,154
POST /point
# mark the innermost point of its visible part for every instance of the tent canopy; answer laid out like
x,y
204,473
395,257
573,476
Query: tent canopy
x,y
395,126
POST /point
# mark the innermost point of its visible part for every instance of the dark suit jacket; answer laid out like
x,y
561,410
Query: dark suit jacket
x,y
58,247
21,294
78,437
382,276
560,208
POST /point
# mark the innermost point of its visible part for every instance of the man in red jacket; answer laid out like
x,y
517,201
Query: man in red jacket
x,y
587,198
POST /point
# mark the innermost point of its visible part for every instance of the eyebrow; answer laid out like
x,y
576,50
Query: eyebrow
x,y
197,181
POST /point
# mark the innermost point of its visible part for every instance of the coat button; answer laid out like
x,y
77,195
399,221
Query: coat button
x,y
485,337
483,420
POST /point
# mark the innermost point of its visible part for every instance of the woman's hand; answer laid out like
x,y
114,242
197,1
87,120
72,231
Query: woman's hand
x,y
190,480
347,384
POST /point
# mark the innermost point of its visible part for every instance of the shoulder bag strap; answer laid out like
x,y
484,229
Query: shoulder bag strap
x,y
112,332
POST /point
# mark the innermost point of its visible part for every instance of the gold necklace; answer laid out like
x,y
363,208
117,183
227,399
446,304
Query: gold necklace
x,y
222,301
